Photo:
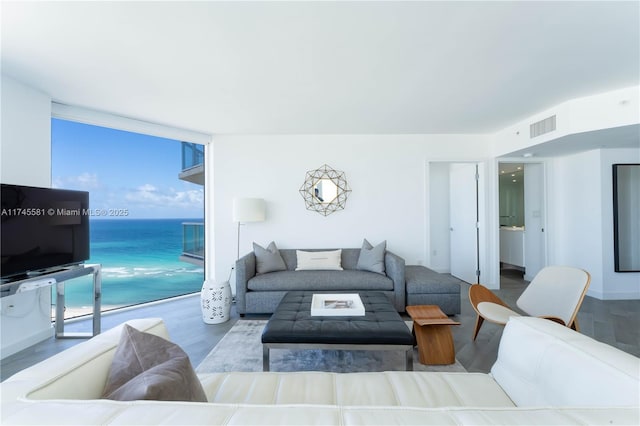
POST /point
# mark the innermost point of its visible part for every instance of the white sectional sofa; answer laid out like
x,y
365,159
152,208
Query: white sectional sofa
x,y
544,374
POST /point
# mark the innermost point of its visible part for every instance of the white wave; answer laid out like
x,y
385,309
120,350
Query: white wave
x,y
129,272
115,270
192,271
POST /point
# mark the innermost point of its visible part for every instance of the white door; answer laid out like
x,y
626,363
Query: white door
x,y
463,221
534,237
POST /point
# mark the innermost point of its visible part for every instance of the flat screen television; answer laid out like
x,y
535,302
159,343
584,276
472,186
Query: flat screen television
x,y
42,229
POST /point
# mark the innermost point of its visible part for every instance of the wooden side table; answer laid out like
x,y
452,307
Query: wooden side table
x,y
433,333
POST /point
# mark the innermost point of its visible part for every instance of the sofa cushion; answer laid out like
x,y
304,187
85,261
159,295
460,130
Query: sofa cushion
x,y
319,260
268,259
389,388
320,280
146,366
372,258
422,280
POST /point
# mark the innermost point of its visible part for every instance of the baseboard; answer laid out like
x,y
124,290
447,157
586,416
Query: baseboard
x,y
25,343
614,296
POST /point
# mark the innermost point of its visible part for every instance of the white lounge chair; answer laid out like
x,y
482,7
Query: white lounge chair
x,y
555,293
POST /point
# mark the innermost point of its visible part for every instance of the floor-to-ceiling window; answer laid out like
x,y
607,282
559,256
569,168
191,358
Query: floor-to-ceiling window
x,y
145,212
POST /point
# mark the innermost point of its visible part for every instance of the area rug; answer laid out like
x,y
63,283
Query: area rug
x,y
241,350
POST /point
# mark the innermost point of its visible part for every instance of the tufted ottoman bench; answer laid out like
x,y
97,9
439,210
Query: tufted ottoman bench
x,y
427,287
293,327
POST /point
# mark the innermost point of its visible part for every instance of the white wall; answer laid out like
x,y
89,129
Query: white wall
x,y
385,172
616,285
25,159
581,219
439,243
25,151
574,215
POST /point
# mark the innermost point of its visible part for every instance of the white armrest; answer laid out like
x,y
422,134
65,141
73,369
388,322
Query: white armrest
x,y
79,372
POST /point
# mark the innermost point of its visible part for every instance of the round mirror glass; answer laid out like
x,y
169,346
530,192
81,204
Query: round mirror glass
x,y
325,191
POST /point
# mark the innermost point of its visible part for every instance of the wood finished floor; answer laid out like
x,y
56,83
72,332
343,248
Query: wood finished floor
x,y
615,322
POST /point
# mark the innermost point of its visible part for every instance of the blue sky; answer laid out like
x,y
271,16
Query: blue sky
x,y
123,170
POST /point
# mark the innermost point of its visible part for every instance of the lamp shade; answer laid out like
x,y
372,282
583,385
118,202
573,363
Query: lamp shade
x,y
248,210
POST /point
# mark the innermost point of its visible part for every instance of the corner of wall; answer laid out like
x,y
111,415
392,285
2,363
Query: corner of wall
x,y
26,135
25,160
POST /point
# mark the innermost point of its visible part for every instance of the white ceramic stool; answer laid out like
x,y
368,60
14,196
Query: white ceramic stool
x,y
215,301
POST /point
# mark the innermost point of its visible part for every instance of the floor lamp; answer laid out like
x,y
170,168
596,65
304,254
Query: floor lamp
x,y
216,298
247,210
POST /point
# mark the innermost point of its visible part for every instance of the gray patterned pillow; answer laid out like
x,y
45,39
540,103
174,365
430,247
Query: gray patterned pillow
x,y
146,366
269,259
372,258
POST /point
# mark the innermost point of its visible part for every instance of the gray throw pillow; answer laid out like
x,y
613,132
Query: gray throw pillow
x,y
269,259
146,366
372,258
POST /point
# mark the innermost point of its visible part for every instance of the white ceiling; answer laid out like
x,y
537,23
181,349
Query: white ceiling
x,y
322,67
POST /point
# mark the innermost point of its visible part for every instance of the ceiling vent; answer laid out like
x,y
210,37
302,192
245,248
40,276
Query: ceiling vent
x,y
543,126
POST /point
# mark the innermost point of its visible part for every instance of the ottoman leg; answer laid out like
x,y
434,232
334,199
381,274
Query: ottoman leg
x,y
409,359
265,358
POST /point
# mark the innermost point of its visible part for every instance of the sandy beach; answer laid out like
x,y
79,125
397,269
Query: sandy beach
x,y
81,311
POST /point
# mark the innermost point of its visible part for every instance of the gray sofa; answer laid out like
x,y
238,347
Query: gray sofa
x,y
261,293
427,287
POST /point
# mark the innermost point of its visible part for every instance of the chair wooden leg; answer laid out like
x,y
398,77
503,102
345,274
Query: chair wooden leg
x,y
574,325
479,321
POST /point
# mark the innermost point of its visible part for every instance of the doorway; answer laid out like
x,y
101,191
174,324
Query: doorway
x,y
456,210
521,218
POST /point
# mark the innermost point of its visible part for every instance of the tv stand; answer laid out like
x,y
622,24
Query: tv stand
x,y
41,272
58,279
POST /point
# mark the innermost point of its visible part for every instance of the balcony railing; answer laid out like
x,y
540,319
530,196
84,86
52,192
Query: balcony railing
x,y
193,242
192,155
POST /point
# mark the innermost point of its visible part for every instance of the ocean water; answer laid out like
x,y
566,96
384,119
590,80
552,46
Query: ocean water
x,y
140,263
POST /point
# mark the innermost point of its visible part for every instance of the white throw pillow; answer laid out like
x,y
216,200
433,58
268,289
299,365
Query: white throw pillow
x,y
319,260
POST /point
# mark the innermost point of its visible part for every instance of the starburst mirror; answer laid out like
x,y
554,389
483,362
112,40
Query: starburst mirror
x,y
325,190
